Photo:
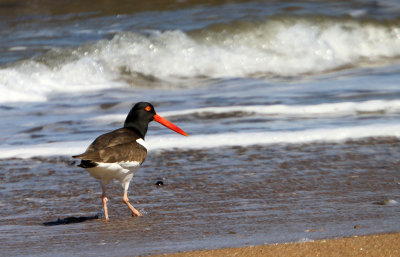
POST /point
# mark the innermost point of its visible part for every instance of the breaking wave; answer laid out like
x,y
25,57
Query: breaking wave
x,y
280,46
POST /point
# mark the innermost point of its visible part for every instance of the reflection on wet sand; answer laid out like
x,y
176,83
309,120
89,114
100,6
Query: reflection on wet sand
x,y
212,198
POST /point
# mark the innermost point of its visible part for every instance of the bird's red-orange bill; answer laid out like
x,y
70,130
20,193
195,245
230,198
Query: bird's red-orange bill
x,y
169,124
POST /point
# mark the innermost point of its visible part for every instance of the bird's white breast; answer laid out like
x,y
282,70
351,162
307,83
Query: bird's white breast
x,y
122,171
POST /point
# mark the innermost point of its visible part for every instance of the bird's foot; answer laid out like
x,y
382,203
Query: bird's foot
x,y
136,213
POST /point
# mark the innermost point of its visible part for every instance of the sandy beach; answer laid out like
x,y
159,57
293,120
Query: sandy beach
x,y
371,245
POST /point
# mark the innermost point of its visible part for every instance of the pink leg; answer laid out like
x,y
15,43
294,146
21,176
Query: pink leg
x,y
125,199
104,200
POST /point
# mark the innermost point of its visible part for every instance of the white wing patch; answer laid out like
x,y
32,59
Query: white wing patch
x,y
142,142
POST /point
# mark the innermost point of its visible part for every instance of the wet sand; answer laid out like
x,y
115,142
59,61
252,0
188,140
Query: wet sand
x,y
362,246
209,199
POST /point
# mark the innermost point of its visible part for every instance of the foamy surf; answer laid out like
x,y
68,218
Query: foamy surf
x,y
281,137
280,46
318,110
203,141
332,110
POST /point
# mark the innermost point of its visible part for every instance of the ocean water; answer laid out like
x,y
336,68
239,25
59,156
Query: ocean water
x,y
292,110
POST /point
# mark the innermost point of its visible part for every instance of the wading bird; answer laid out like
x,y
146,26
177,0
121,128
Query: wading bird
x,y
119,153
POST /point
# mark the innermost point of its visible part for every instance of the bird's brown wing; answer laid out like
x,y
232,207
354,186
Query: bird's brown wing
x,y
117,146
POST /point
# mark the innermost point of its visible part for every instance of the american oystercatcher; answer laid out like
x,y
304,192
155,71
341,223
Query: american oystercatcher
x,y
119,154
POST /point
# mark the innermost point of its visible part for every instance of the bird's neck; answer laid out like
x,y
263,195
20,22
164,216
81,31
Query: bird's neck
x,y
139,127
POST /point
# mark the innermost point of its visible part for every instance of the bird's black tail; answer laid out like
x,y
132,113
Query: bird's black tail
x,y
87,163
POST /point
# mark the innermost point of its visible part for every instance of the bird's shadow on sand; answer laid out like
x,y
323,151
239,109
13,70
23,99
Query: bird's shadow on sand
x,y
70,220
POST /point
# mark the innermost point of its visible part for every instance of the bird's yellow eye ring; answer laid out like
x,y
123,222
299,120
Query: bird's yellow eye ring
x,y
147,108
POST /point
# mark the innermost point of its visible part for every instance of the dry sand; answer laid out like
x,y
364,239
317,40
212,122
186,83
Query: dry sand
x,y
384,245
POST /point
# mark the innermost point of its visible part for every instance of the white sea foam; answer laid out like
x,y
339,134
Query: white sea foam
x,y
279,46
34,82
49,149
281,137
282,46
304,240
339,109
201,141
326,109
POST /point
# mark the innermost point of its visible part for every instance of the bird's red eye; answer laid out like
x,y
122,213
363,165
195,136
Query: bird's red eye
x,y
147,108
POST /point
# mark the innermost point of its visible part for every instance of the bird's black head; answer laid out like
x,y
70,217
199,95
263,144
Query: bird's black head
x,y
141,114
139,117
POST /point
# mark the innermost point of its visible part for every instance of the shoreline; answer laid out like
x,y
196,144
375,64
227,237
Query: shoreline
x,y
367,245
